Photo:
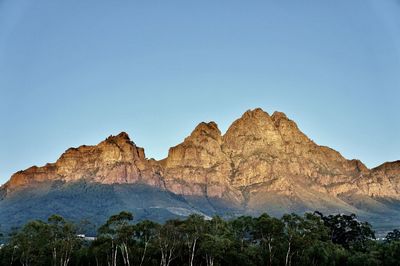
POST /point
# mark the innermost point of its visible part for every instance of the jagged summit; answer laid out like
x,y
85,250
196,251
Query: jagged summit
x,y
121,136
276,116
204,130
257,115
256,112
120,139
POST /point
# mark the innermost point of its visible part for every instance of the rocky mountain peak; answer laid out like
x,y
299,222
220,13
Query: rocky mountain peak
x,y
122,135
257,112
115,160
253,118
253,122
121,139
254,131
202,148
204,131
277,117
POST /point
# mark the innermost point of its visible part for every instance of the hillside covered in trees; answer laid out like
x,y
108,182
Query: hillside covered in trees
x,y
312,239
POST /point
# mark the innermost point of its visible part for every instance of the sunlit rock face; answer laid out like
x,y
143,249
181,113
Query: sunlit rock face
x,y
115,160
198,165
262,159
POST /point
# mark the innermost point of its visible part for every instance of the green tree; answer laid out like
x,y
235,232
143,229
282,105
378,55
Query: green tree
x,y
119,230
192,228
243,228
348,231
216,240
146,232
31,244
390,252
269,232
292,224
100,248
169,238
63,239
393,236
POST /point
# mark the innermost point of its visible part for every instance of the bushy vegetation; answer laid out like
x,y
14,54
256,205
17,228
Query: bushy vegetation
x,y
312,239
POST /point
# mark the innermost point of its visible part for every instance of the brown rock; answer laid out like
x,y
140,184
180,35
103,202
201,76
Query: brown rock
x,y
115,160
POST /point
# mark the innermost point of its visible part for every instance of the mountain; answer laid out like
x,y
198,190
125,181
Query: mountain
x,y
263,163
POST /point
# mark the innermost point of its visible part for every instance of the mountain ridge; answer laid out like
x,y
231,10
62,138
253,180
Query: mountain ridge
x,y
271,132
262,162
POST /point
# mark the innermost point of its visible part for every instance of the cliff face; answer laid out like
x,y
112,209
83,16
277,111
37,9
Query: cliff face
x,y
115,160
260,160
199,166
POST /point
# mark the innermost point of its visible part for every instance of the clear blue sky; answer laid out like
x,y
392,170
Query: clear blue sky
x,y
74,72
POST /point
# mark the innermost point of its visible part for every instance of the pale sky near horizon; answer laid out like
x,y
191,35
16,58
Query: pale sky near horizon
x,y
75,72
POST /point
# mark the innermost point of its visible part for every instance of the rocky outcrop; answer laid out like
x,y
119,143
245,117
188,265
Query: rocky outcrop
x,y
260,159
115,160
198,166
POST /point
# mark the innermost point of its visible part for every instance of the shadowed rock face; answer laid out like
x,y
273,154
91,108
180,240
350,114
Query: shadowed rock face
x,y
262,162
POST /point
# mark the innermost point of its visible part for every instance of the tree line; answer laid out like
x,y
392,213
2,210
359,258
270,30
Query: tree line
x,y
311,239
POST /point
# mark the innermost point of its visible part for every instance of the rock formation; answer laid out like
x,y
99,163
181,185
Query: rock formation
x,y
261,161
114,160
